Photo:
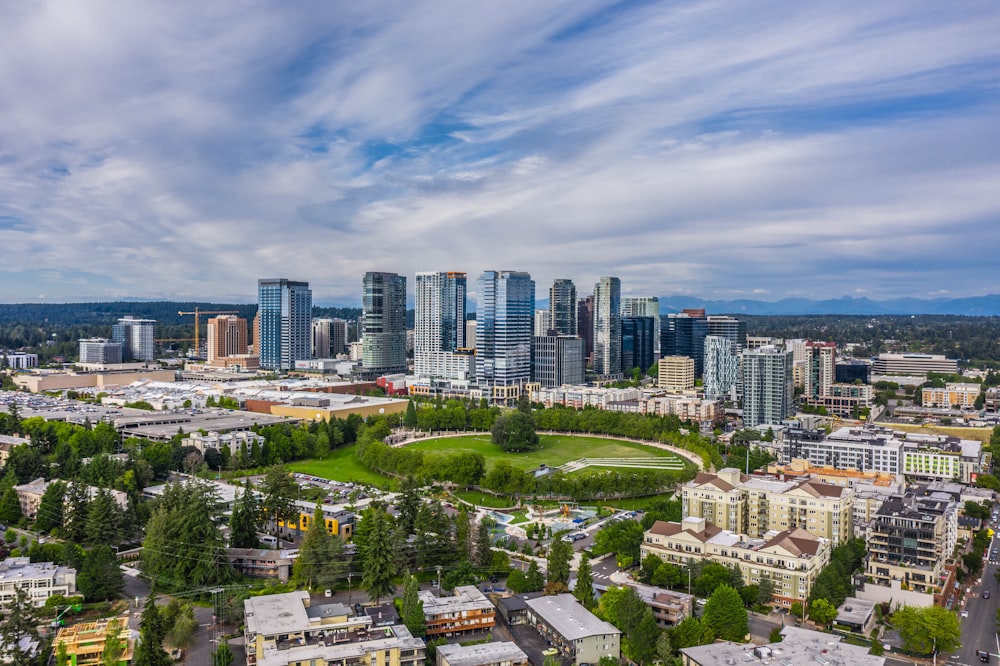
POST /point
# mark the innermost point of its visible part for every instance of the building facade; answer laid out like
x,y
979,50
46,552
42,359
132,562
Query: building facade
x,y
768,389
505,304
40,580
607,327
913,364
136,337
722,364
575,632
100,351
468,610
683,334
284,320
383,324
439,326
638,341
676,373
558,360
585,325
645,306
227,342
563,314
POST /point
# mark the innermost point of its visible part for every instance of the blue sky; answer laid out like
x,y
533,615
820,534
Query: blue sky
x,y
181,150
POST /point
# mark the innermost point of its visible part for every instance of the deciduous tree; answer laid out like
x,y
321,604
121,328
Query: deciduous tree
x,y
725,614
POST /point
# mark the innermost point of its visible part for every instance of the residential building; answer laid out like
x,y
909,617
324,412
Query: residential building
x,y
40,580
440,348
338,336
722,365
637,343
755,505
645,306
29,495
798,646
263,562
608,327
820,367
585,325
790,559
100,351
768,391
573,630
503,653
228,344
676,373
563,313
85,641
383,325
468,610
959,396
321,330
683,334
541,325
505,303
136,337
799,468
669,608
913,364
289,630
284,321
558,360
730,328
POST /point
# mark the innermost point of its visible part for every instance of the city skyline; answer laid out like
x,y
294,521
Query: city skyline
x,y
177,152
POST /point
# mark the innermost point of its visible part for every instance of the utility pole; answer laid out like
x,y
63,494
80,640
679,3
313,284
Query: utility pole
x,y
439,577
349,574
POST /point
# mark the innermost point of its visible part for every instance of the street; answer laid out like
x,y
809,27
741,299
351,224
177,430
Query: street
x,y
979,628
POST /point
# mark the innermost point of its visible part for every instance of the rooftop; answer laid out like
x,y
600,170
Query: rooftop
x,y
466,598
565,614
484,653
799,647
277,613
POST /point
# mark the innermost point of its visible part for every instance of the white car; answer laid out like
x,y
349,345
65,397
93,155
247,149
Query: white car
x,y
964,614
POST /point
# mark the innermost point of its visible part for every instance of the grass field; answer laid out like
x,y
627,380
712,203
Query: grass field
x,y
341,465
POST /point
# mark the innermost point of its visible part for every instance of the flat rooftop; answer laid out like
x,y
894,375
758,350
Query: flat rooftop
x,y
484,653
568,617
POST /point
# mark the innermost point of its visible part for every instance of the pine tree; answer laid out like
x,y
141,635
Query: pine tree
x,y
559,555
410,419
223,656
244,522
19,619
101,577
102,520
114,646
726,615
534,581
75,514
50,508
149,651
279,491
584,590
319,555
463,534
408,506
378,559
484,546
412,608
10,507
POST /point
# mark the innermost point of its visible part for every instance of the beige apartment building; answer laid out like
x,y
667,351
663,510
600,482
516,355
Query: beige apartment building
x,y
676,373
790,559
757,505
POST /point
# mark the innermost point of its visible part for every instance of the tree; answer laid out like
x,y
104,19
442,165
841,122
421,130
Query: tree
x,y
725,615
10,507
279,490
796,609
50,507
223,656
114,646
584,590
244,523
408,505
690,632
77,501
822,611
378,560
102,520
19,619
622,538
765,591
515,431
533,579
558,560
484,545
622,607
101,577
183,627
412,608
149,651
319,559
640,644
410,418
926,629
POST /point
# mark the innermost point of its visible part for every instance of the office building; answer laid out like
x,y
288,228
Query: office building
x,y
722,364
913,364
40,580
338,336
574,631
734,330
468,610
563,314
541,326
850,370
608,327
284,321
645,306
585,326
558,360
791,559
505,304
439,345
100,351
383,325
227,343
768,390
321,332
638,341
676,373
684,334
136,337
18,360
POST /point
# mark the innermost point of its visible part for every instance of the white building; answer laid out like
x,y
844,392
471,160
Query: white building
x,y
40,579
100,351
19,360
230,440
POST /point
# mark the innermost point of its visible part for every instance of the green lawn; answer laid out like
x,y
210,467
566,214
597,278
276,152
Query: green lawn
x,y
554,451
340,465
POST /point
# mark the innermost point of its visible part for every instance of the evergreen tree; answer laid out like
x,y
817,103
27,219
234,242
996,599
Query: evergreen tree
x,y
102,520
408,506
182,627
244,523
149,651
484,545
559,555
10,507
101,577
584,590
641,643
19,619
50,508
410,419
412,608
223,656
534,581
377,557
75,513
279,495
725,615
319,559
463,534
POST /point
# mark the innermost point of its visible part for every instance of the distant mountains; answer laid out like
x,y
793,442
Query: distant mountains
x,y
976,306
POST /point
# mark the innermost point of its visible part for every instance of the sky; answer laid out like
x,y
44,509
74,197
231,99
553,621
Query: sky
x,y
182,150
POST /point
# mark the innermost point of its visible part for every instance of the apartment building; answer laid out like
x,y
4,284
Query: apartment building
x,y
574,631
790,559
669,608
287,630
40,580
504,653
676,373
85,641
962,396
30,496
466,611
233,441
756,505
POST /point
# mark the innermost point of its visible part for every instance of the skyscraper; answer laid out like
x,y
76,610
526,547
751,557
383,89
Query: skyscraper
x,y
722,362
820,368
768,390
284,316
735,330
338,336
383,325
684,335
637,343
607,327
136,337
505,303
439,325
321,331
227,336
645,306
563,307
585,326
558,360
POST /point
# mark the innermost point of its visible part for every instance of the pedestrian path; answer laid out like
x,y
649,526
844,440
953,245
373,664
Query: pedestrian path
x,y
636,463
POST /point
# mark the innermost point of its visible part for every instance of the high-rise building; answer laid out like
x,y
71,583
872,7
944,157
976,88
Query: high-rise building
x,y
563,317
338,336
284,322
136,337
505,303
558,360
768,389
383,325
607,327
585,326
541,325
684,334
820,368
439,325
645,306
321,331
226,337
722,363
676,373
638,338
100,351
735,330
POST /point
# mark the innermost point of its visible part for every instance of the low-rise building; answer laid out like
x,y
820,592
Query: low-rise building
x,y
263,562
505,653
790,559
30,496
287,630
85,641
858,615
798,646
8,442
466,611
960,396
40,580
669,608
233,441
573,630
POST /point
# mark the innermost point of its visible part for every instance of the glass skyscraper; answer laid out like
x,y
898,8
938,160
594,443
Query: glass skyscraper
x,y
505,306
284,313
439,321
562,307
383,324
768,388
722,361
638,340
136,337
608,327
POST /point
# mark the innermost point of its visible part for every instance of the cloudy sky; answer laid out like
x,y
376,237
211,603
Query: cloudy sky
x,y
183,149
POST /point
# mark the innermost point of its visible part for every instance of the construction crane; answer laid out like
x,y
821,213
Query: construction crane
x,y
197,318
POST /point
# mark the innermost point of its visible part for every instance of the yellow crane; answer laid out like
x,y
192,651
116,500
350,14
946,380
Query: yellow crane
x,y
197,318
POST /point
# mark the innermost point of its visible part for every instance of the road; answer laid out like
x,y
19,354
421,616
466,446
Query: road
x,y
979,628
